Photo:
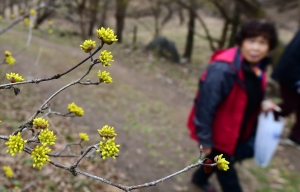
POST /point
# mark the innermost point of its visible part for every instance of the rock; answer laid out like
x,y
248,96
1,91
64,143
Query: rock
x,y
165,48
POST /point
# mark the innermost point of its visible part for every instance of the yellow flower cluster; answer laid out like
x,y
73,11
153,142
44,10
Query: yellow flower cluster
x,y
9,58
26,22
14,77
104,77
12,16
40,123
0,17
50,31
7,54
107,131
15,144
222,164
109,148
47,137
32,12
106,35
39,156
8,171
84,136
50,23
88,45
73,108
105,58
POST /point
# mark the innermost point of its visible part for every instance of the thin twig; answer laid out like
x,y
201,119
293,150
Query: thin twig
x,y
38,57
75,171
83,155
57,76
66,146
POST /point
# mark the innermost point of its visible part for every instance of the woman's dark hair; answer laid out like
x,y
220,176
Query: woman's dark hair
x,y
255,28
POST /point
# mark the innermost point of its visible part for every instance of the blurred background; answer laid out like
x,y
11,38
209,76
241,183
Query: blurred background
x,y
163,48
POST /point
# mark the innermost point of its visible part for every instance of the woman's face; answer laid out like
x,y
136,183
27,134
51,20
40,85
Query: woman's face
x,y
254,49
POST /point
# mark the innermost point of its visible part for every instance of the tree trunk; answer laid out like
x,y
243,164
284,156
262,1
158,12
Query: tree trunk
x,y
2,6
134,36
44,14
11,7
94,6
235,25
103,15
156,26
181,16
121,6
25,4
190,36
224,34
81,9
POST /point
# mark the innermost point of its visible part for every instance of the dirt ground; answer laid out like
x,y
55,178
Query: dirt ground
x,y
148,104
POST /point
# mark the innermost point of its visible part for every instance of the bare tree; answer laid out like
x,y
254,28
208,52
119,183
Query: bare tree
x,y
121,6
46,13
93,7
104,9
191,30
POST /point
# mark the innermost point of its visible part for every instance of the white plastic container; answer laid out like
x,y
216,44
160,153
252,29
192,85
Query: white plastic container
x,y
267,138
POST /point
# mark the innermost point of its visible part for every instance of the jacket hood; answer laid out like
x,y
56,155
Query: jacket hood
x,y
225,55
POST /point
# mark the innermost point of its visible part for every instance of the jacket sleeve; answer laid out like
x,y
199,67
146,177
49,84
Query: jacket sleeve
x,y
213,90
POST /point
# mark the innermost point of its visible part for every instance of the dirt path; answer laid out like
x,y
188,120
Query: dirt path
x,y
149,114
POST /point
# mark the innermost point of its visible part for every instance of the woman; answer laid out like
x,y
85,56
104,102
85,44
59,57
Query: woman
x,y
231,90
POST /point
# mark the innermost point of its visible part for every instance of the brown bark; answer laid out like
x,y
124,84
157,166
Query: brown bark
x,y
223,38
103,15
94,6
235,24
81,9
190,36
121,6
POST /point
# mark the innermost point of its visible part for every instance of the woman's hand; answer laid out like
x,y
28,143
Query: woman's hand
x,y
269,105
206,151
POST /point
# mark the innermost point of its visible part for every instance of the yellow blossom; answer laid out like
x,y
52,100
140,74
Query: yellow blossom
x,y
39,156
32,12
47,137
14,77
26,22
50,31
104,77
12,16
9,58
0,121
7,53
40,123
73,108
107,131
108,148
84,136
50,23
105,58
0,17
106,35
88,45
15,144
222,164
8,171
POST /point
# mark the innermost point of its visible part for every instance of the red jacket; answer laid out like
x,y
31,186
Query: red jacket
x,y
216,118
